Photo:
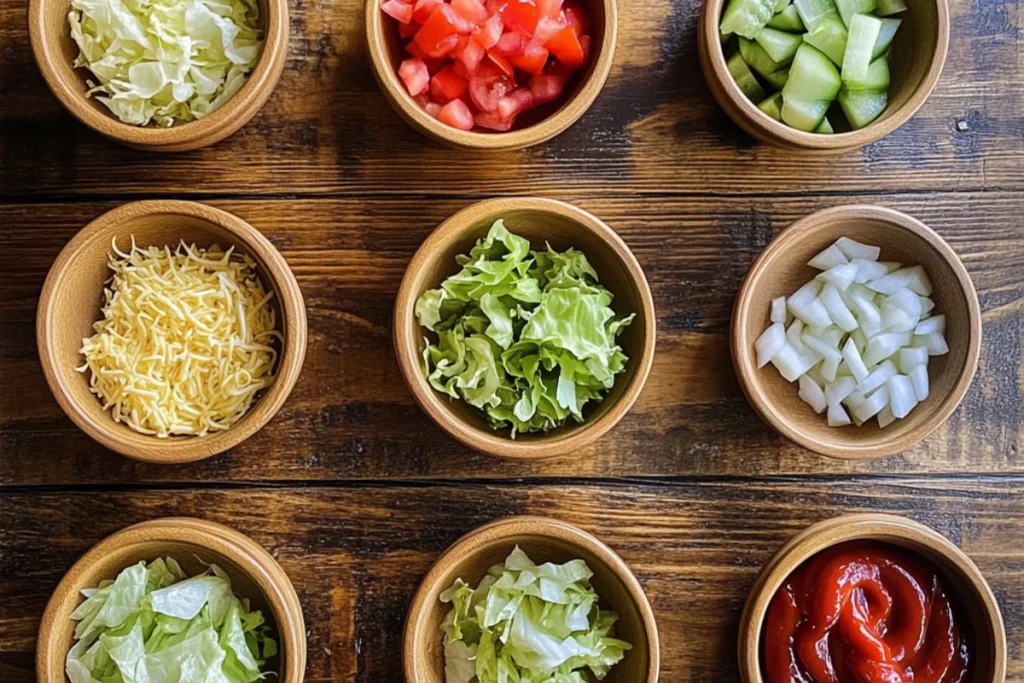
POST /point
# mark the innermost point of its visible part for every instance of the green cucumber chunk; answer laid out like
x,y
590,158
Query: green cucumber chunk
x,y
886,7
781,5
787,20
803,115
812,76
861,107
757,59
830,37
772,106
779,45
813,11
746,17
859,45
847,8
877,77
777,79
825,127
885,36
744,78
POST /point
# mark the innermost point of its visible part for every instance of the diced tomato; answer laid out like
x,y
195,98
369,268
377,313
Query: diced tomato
x,y
442,24
552,9
585,43
533,58
413,73
487,88
565,46
516,102
501,62
521,16
511,44
447,44
461,69
446,85
422,10
457,115
471,55
546,88
408,30
577,17
432,108
398,9
487,119
547,29
471,10
489,32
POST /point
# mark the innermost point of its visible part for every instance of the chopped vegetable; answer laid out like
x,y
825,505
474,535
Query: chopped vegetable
x,y
526,336
529,622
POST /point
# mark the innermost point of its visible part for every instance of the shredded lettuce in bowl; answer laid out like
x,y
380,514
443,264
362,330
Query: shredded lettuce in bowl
x,y
527,336
165,61
152,624
529,623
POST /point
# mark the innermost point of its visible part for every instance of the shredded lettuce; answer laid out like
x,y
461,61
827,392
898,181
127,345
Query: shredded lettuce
x,y
528,623
152,624
527,336
165,61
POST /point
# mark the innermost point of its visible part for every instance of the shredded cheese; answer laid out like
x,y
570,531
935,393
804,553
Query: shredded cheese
x,y
186,341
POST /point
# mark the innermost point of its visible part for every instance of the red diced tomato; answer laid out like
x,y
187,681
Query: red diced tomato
x,y
422,10
585,43
437,28
489,32
501,62
471,55
511,44
413,73
399,10
457,115
432,108
547,29
516,102
408,30
576,17
533,59
471,10
552,9
488,87
446,85
565,46
447,44
486,119
461,69
546,88
521,16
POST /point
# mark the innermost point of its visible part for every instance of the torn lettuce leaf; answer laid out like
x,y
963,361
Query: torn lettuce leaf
x,y
152,624
526,336
529,622
165,61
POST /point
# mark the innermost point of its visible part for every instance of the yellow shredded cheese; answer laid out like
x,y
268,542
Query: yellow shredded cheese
x,y
186,339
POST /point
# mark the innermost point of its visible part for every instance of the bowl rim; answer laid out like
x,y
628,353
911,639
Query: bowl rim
x,y
249,556
755,122
746,370
830,532
406,332
185,449
568,114
235,113
498,530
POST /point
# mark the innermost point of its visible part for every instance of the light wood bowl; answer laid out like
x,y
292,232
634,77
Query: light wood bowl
x,y
72,298
538,125
916,61
961,574
192,542
782,268
539,220
55,52
544,540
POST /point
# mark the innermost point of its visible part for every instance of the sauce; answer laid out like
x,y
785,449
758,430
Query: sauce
x,y
864,612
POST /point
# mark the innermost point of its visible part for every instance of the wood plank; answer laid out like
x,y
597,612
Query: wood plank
x,y
351,416
356,556
654,129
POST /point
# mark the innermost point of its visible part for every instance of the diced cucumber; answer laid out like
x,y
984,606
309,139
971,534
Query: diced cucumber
x,y
744,78
861,107
885,36
787,20
781,5
877,77
885,8
847,8
812,11
757,59
777,79
746,17
803,115
825,127
812,76
830,37
772,106
863,31
779,45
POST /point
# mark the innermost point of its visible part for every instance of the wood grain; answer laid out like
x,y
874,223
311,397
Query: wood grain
x,y
356,555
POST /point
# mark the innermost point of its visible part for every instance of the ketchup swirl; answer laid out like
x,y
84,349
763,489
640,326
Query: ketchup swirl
x,y
864,612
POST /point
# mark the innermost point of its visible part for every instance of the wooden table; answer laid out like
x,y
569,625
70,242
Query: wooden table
x,y
356,492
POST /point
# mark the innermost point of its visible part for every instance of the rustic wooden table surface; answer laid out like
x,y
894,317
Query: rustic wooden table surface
x,y
356,492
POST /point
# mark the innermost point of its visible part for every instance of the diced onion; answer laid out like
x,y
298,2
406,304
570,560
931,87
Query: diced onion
x,y
852,249
912,356
931,325
830,258
812,394
837,416
794,331
902,398
872,405
919,376
853,360
877,378
837,309
885,417
837,391
841,276
778,314
792,364
935,342
821,347
770,343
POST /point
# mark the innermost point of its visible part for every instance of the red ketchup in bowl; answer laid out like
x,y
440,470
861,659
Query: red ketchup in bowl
x,y
865,612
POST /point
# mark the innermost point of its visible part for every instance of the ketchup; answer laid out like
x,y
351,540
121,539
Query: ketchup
x,y
864,612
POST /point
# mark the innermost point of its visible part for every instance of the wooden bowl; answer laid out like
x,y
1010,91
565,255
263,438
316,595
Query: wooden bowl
x,y
543,123
192,542
781,269
544,540
961,574
55,52
916,61
72,298
539,220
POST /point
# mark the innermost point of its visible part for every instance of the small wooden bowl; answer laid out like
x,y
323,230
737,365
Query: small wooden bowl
x,y
192,542
961,574
72,298
536,126
563,226
782,268
544,540
55,52
918,55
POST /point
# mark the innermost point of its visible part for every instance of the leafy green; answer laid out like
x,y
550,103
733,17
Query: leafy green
x,y
527,336
525,623
152,624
